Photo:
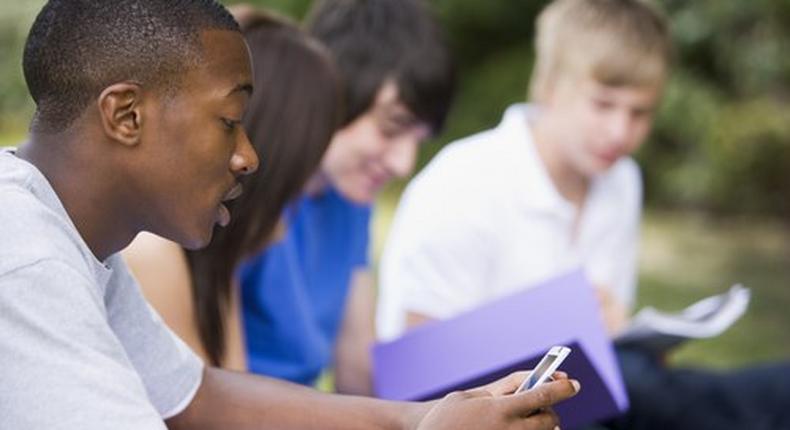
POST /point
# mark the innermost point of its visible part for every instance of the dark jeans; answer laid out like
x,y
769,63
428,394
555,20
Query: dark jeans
x,y
754,398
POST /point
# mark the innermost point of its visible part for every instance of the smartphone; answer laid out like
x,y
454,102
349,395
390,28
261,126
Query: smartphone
x,y
547,365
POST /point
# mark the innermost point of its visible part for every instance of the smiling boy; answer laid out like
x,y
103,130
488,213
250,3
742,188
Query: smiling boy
x,y
308,301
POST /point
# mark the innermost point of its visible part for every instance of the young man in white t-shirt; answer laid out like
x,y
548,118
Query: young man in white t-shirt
x,y
137,128
551,188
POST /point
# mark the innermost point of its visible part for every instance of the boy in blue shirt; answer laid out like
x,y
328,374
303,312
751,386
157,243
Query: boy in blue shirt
x,y
308,301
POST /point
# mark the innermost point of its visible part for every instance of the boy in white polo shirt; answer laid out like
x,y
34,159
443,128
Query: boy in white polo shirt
x,y
551,188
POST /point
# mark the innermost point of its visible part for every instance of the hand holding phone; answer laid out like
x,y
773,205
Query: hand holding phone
x,y
545,368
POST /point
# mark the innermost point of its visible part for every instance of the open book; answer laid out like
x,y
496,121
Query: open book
x,y
658,331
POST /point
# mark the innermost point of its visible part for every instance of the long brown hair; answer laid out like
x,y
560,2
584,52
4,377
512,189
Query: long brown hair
x,y
292,114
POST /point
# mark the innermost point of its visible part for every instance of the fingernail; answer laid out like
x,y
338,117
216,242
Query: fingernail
x,y
556,427
576,385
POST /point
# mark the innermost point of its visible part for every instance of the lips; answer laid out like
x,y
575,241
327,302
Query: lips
x,y
234,192
223,214
377,181
608,157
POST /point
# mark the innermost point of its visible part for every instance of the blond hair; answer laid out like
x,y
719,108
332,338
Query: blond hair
x,y
615,42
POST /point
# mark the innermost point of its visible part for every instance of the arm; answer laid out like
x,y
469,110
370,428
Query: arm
x,y
413,319
434,264
613,267
614,312
356,336
236,400
235,357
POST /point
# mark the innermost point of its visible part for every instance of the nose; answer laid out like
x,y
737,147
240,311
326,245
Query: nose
x,y
401,156
244,159
619,127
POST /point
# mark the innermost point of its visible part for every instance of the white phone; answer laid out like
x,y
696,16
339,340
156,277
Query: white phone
x,y
547,365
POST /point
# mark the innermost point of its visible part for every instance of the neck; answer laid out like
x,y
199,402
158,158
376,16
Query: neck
x,y
569,182
316,184
81,186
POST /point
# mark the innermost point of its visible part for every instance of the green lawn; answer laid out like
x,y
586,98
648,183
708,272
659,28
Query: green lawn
x,y
686,257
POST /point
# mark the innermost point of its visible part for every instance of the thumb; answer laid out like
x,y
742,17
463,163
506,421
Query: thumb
x,y
542,396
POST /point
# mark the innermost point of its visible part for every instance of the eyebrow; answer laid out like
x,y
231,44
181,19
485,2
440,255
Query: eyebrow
x,y
404,118
244,88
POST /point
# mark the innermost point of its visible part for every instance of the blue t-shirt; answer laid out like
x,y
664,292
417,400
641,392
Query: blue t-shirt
x,y
294,294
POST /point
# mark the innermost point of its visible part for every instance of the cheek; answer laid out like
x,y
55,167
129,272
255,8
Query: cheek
x,y
641,133
349,150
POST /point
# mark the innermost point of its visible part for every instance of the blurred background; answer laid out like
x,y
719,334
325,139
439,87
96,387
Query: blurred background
x,y
717,168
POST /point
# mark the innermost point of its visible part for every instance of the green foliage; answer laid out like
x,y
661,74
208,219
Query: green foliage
x,y
15,104
722,138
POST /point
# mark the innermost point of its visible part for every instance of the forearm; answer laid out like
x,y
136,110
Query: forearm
x,y
356,337
614,312
353,376
231,400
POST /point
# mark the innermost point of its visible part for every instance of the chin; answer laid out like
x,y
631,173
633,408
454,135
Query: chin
x,y
357,194
199,240
365,197
598,167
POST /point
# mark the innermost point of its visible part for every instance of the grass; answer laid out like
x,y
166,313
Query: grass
x,y
687,256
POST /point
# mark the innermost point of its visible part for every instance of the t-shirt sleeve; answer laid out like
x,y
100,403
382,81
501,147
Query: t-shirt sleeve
x,y
361,237
169,369
437,254
61,365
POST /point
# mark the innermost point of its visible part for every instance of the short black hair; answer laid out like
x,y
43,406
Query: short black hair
x,y
376,40
76,48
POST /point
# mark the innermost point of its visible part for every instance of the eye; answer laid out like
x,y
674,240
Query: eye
x,y
390,130
230,124
642,113
603,104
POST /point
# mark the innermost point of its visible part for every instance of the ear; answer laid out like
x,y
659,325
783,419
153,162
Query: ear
x,y
120,110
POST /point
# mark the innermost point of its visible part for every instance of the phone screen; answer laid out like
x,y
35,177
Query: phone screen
x,y
547,365
542,367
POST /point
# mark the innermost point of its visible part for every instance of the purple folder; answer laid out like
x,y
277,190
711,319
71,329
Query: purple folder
x,y
511,333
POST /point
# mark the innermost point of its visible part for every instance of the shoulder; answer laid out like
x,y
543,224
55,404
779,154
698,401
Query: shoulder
x,y
149,248
626,177
621,187
327,217
159,265
468,157
467,172
32,232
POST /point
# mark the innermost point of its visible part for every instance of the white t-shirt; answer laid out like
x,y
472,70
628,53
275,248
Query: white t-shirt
x,y
80,348
484,219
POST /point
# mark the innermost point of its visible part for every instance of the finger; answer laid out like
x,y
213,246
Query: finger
x,y
559,375
545,419
506,385
541,396
467,394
